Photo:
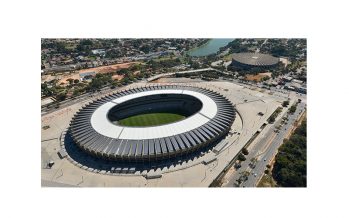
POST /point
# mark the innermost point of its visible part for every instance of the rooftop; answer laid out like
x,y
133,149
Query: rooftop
x,y
257,59
102,125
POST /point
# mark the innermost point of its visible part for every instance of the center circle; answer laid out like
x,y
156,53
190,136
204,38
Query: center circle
x,y
154,110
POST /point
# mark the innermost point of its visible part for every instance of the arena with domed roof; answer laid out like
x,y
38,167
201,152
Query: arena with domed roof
x,y
253,60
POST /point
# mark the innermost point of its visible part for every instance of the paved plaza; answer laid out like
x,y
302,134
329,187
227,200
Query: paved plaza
x,y
200,171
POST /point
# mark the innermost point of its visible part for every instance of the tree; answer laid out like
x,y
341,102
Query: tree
x,y
45,90
285,103
125,80
271,119
122,71
290,163
244,151
76,81
76,92
195,65
278,110
293,109
115,83
265,78
70,80
84,46
61,96
241,157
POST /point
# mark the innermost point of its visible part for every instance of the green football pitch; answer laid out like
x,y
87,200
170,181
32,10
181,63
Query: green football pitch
x,y
151,119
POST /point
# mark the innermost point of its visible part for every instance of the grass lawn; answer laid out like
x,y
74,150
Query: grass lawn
x,y
152,119
267,181
228,57
168,57
163,58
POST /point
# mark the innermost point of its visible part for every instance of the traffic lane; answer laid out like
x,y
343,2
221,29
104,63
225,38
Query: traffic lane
x,y
245,165
270,152
252,154
260,146
258,171
261,165
80,99
266,158
236,175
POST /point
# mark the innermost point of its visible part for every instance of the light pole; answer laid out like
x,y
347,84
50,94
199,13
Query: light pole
x,y
204,176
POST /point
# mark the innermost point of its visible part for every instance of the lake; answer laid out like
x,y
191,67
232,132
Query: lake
x,y
210,47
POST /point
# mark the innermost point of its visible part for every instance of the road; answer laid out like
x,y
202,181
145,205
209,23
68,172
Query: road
x,y
106,90
264,151
256,150
69,102
184,72
273,148
84,97
259,48
46,183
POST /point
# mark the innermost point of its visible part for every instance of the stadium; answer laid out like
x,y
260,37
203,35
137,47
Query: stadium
x,y
152,124
253,60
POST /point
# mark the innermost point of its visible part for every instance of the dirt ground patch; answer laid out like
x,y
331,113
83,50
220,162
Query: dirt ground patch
x,y
109,68
257,77
102,69
117,77
63,79
47,78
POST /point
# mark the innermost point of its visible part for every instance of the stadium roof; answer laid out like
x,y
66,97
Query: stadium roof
x,y
93,131
102,125
255,59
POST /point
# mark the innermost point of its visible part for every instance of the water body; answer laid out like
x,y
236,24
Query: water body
x,y
210,47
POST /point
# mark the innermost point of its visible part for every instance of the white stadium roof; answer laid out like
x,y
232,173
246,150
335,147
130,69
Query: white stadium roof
x,y
103,126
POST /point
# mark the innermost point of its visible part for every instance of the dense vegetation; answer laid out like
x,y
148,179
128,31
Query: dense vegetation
x,y
272,117
291,48
236,46
156,65
292,109
290,168
114,48
99,81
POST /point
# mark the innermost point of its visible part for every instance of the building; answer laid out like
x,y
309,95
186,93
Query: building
x,y
98,51
293,86
253,60
58,69
297,81
87,75
287,78
208,119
